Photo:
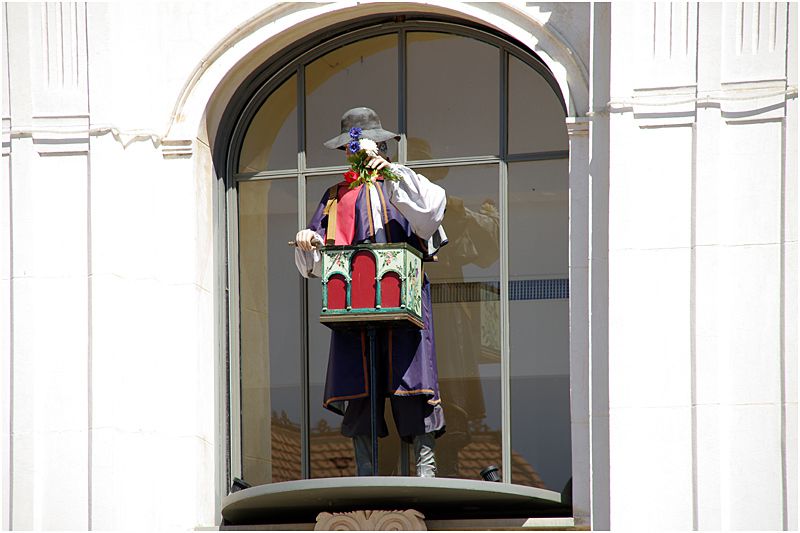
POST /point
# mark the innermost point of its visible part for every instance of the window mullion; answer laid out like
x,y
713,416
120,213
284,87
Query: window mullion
x,y
402,157
505,363
305,414
235,383
402,97
538,156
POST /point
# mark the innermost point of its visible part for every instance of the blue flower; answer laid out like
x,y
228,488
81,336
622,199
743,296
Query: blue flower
x,y
354,146
355,133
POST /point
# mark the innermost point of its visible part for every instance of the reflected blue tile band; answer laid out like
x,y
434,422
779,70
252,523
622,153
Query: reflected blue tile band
x,y
478,291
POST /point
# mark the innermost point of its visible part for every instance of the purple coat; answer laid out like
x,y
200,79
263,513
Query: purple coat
x,y
412,353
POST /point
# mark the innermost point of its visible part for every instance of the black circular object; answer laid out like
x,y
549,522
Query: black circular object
x,y
491,473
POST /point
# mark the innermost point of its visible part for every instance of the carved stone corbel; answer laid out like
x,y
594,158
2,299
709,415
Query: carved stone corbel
x,y
408,520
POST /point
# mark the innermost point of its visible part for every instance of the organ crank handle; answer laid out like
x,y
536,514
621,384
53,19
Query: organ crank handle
x,y
293,243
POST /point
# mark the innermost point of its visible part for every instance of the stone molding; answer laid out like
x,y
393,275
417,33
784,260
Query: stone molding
x,y
6,135
755,100
408,520
65,134
738,101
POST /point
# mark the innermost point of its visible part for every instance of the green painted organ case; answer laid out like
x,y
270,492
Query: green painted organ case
x,y
371,284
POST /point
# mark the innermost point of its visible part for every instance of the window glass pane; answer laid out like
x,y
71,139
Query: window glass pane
x,y
535,115
271,139
538,234
466,313
270,333
331,453
362,74
453,93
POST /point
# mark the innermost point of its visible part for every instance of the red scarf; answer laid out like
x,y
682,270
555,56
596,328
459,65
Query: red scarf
x,y
346,212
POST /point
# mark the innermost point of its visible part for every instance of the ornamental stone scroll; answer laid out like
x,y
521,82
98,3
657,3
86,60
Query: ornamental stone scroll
x,y
408,520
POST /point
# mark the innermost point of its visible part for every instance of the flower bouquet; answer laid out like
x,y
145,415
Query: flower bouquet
x,y
360,153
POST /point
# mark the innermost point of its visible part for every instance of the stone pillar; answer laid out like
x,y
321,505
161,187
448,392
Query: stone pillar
x,y
48,216
598,261
578,130
702,268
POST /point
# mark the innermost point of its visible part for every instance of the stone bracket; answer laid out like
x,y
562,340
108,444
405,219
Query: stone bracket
x,y
176,148
665,106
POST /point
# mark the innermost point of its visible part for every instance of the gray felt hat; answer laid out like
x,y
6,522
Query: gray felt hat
x,y
370,124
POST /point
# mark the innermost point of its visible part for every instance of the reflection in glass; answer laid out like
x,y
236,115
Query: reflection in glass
x,y
271,139
362,74
538,228
535,115
270,333
453,94
465,286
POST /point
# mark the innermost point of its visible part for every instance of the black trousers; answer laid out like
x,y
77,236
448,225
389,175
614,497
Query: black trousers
x,y
413,415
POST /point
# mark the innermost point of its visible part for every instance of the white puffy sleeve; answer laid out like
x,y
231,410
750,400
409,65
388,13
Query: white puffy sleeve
x,y
420,201
309,263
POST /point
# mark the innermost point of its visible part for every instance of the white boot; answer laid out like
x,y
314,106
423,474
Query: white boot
x,y
423,451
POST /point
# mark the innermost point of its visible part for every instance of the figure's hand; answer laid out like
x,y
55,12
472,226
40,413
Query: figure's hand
x,y
377,162
306,238
489,209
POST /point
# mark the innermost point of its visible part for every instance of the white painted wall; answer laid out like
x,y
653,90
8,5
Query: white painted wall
x,y
683,252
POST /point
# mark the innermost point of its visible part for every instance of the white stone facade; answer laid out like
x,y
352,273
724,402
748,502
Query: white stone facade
x,y
683,254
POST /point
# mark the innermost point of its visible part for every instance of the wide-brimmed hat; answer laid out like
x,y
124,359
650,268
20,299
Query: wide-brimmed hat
x,y
370,124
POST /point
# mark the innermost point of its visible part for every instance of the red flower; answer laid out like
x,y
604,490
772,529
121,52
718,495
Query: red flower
x,y
350,176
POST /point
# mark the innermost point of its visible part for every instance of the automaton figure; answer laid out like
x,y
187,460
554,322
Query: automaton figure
x,y
409,209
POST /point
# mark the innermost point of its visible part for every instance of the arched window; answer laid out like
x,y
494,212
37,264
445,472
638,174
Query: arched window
x,y
480,116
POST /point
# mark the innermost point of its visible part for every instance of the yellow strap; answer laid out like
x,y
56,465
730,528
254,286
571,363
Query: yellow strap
x,y
330,210
385,214
369,210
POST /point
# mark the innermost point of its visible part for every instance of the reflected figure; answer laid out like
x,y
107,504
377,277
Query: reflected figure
x,y
466,320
